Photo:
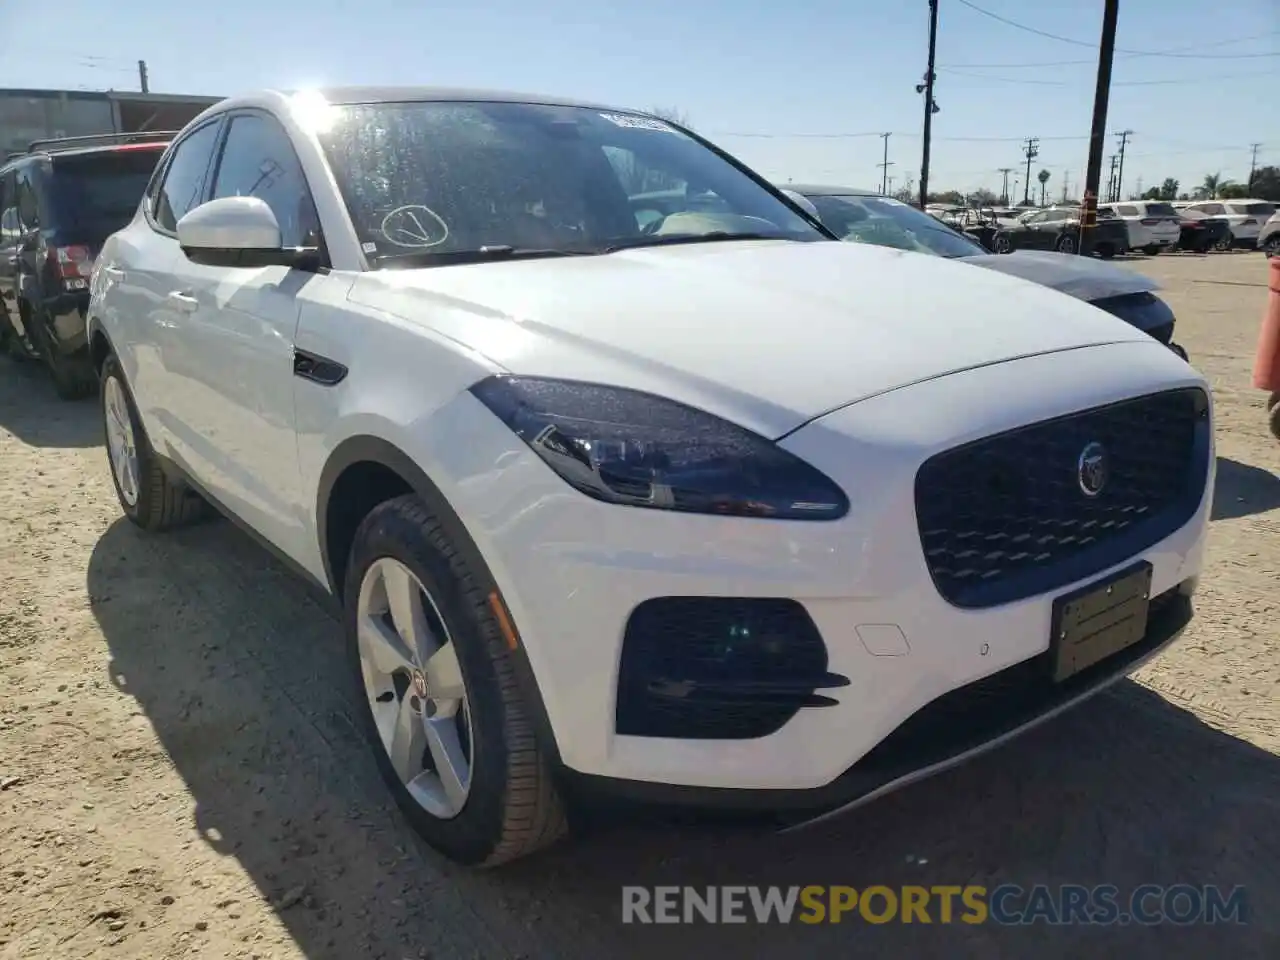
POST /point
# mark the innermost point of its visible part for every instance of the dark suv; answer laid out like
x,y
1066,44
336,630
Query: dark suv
x,y
58,202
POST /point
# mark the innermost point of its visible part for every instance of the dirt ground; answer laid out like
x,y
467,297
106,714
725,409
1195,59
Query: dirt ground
x,y
180,776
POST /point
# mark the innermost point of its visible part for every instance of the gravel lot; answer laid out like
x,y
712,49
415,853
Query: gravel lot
x,y
181,777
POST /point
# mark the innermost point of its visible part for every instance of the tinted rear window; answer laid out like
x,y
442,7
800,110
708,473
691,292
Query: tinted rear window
x,y
100,191
1254,209
1161,210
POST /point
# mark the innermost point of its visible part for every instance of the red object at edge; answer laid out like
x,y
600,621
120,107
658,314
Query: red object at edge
x,y
1266,364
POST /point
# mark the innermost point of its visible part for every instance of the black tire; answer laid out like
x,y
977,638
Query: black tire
x,y
1106,251
161,503
1151,250
1272,246
1065,244
1274,416
1002,244
513,808
73,375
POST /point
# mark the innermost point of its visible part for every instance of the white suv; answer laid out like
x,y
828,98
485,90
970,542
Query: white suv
x,y
625,474
1153,225
1246,217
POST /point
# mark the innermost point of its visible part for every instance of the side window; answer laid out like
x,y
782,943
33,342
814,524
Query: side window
x,y
1128,211
258,160
9,229
1055,216
183,184
1213,209
28,208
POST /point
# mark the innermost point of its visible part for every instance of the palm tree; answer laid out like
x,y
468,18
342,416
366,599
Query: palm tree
x,y
1043,177
1213,183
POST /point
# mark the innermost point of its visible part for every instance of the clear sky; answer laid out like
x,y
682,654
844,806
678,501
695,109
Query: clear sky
x,y
799,90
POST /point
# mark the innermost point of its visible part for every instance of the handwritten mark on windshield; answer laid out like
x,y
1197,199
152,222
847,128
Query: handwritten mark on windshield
x,y
414,227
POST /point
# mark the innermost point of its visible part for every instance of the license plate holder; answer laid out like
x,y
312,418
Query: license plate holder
x,y
1097,621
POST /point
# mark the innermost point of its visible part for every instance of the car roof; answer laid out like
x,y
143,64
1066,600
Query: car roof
x,y
817,190
407,94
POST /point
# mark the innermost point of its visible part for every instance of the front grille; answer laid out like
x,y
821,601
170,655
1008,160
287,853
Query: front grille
x,y
1006,518
719,668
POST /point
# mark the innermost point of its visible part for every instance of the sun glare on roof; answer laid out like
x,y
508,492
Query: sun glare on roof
x,y
312,111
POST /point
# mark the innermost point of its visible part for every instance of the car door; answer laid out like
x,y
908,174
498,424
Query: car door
x,y
1039,233
144,320
238,341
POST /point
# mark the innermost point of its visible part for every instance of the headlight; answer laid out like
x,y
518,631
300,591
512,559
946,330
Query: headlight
x,y
622,446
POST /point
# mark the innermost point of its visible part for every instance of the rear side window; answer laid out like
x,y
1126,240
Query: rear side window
x,y
1254,209
183,185
100,192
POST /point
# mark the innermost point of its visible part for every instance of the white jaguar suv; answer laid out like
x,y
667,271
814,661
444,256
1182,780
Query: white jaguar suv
x,y
626,475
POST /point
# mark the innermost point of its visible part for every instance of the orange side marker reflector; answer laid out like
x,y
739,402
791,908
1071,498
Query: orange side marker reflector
x,y
504,621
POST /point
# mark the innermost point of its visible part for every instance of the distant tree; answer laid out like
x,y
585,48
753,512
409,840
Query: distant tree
x,y
1210,186
983,198
1266,184
1169,189
1233,191
1152,194
907,193
1184,196
1043,176
948,196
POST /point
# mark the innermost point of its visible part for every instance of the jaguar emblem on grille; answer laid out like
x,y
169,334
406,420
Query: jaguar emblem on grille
x,y
1092,469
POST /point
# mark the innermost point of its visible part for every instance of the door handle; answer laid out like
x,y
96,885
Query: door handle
x,y
113,271
184,301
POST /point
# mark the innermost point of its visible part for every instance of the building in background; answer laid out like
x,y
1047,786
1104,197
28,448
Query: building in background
x,y
27,115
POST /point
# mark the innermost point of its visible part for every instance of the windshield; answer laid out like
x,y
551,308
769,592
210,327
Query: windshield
x,y
99,193
435,181
892,223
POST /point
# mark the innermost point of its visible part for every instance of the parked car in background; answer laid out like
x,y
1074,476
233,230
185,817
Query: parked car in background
x,y
1058,229
652,509
1246,217
1200,233
868,217
1269,236
58,203
1152,225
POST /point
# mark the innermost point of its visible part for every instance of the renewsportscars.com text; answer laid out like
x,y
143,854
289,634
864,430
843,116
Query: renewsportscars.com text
x,y
1008,904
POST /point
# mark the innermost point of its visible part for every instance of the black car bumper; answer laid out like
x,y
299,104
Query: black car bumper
x,y
944,733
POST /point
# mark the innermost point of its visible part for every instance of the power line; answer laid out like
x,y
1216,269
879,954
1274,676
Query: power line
x,y
1176,81
1133,53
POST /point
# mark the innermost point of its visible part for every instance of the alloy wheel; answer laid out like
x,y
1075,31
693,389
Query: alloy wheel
x,y
121,449
415,688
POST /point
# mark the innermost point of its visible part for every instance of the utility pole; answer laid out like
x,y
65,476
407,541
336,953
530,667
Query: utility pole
x,y
1004,192
930,107
884,167
1253,163
1111,181
890,185
1139,190
1032,150
1098,131
1124,140
1066,181
142,76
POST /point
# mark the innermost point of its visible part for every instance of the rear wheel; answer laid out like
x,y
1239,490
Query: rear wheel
x,y
1066,244
73,375
1151,249
440,703
147,497
1105,250
1002,244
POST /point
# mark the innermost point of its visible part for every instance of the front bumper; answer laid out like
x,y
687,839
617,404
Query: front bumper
x,y
572,570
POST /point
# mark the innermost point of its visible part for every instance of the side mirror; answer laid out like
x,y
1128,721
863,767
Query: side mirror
x,y
236,232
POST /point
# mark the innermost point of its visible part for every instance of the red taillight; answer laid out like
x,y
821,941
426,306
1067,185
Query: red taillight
x,y
71,263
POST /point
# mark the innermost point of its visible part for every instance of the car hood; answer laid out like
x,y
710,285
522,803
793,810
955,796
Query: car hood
x,y
1079,277
769,334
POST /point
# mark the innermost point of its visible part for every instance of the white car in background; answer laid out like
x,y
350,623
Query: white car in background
x,y
1246,217
688,501
1153,225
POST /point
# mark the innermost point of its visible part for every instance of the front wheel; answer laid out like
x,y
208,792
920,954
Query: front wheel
x,y
1066,244
1106,251
1002,244
438,694
147,497
1151,249
1272,246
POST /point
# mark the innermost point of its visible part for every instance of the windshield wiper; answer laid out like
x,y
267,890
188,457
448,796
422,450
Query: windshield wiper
x,y
672,239
485,254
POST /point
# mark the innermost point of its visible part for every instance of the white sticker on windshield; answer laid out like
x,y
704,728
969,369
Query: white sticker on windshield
x,y
369,247
637,123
